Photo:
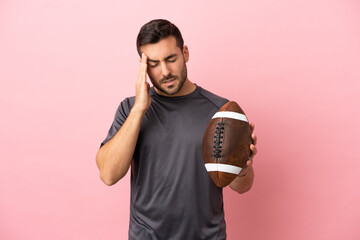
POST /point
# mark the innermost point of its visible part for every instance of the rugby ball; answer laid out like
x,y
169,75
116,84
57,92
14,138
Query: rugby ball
x,y
226,144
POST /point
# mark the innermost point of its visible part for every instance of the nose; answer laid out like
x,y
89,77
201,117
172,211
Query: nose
x,y
165,69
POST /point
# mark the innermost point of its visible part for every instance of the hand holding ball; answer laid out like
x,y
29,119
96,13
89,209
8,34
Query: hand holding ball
x,y
226,142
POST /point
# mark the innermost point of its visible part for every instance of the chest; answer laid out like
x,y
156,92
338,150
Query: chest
x,y
177,125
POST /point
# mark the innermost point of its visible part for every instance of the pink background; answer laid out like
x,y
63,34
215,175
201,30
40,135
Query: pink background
x,y
294,67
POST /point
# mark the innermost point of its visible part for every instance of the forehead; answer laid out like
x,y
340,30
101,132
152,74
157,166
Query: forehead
x,y
161,49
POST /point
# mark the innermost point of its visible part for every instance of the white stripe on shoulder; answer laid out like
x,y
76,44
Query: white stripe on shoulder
x,y
213,167
233,115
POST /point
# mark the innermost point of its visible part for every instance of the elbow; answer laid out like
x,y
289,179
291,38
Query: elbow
x,y
106,175
108,180
110,172
109,177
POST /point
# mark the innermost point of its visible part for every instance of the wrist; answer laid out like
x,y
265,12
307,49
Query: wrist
x,y
138,111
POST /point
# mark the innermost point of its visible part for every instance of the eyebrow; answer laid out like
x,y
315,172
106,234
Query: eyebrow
x,y
168,57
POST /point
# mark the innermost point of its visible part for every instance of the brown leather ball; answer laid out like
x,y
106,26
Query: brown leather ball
x,y
226,144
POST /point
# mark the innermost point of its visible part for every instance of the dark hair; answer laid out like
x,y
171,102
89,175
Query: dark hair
x,y
156,30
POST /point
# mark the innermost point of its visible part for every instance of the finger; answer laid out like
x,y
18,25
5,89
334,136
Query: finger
x,y
143,67
252,126
254,138
142,56
143,62
253,150
145,59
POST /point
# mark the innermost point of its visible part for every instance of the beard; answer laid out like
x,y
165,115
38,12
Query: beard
x,y
173,89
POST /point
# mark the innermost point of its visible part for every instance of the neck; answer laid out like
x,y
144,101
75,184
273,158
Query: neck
x,y
187,88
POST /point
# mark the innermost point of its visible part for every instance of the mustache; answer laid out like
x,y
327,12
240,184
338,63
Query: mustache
x,y
170,76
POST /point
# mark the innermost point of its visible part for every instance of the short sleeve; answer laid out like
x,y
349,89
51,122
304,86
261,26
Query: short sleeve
x,y
120,116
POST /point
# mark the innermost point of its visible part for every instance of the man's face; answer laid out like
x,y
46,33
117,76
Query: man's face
x,y
166,66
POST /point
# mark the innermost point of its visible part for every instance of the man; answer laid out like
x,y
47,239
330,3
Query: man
x,y
159,133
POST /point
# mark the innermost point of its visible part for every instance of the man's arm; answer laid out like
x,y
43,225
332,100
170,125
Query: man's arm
x,y
114,158
243,182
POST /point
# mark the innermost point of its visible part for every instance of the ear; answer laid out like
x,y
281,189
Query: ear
x,y
186,53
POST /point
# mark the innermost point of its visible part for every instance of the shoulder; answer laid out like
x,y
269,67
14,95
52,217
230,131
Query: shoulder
x,y
126,105
213,98
129,101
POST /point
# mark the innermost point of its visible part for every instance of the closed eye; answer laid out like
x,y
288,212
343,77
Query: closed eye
x,y
153,65
171,58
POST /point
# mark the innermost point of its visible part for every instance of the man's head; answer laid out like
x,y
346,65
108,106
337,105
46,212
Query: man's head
x,y
162,43
156,30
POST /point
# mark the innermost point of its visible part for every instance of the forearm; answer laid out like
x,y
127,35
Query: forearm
x,y
114,158
243,184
